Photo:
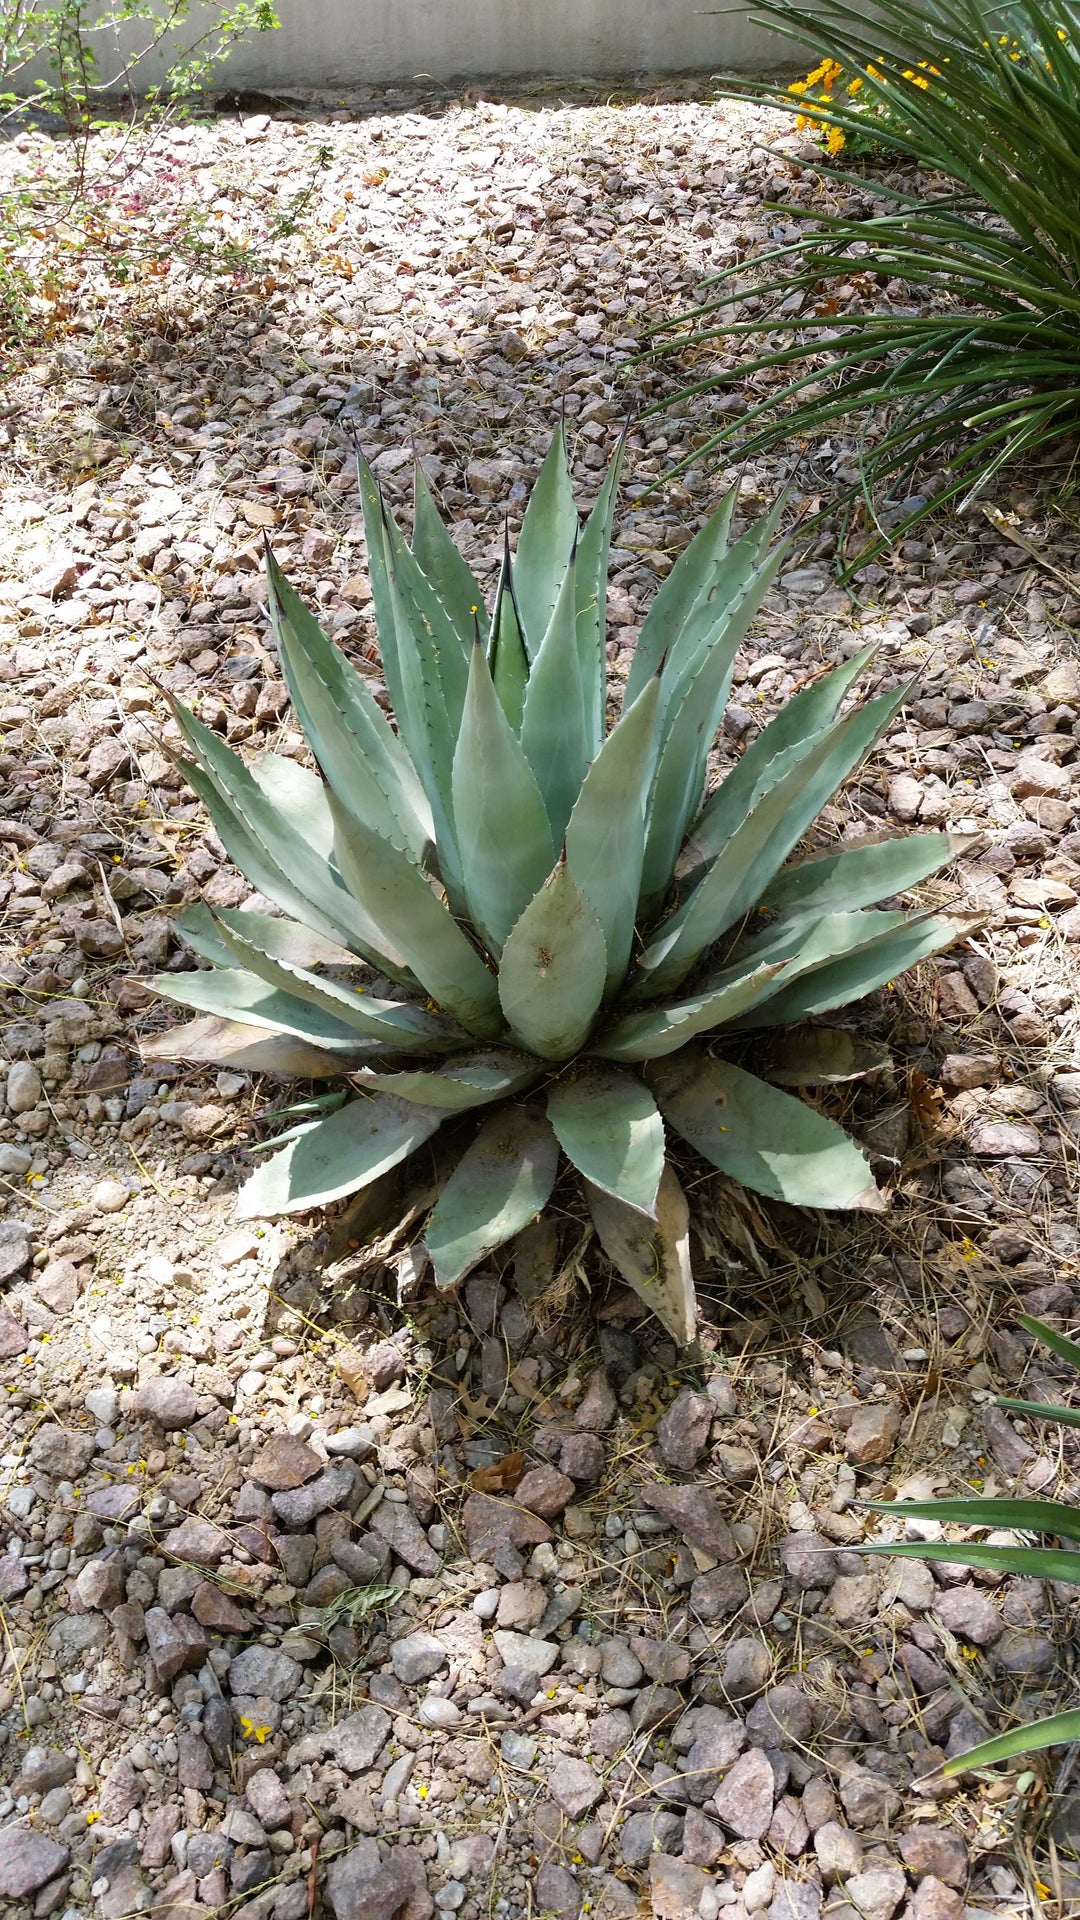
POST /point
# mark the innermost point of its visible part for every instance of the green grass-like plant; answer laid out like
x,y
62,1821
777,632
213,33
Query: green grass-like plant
x,y
1052,1517
553,912
972,358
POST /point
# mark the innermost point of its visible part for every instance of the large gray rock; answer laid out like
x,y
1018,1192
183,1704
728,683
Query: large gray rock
x,y
176,1644
683,1432
23,1086
417,1657
28,1860
574,1787
808,1559
970,1614
399,1527
265,1671
65,1455
359,1740
14,1249
168,1401
694,1513
360,1886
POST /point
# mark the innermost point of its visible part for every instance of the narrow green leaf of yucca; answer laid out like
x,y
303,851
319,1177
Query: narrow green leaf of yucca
x,y
393,1022
605,836
856,877
734,883
398,897
1042,1563
1064,1416
339,1155
270,853
1058,1730
656,1031
678,595
554,728
500,1182
438,557
507,657
691,730
591,572
1031,1516
235,994
798,723
553,967
358,750
286,939
609,1127
503,835
1057,1342
468,1080
653,1256
764,1139
549,530
824,988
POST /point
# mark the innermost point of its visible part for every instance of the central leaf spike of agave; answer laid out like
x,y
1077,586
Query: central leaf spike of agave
x,y
556,909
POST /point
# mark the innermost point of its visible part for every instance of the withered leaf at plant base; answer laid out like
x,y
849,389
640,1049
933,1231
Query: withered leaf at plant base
x,y
926,1101
808,1056
503,1476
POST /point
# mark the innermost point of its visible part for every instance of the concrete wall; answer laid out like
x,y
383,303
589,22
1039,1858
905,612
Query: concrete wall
x,y
356,43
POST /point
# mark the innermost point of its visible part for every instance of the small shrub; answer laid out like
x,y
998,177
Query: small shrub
x,y
975,360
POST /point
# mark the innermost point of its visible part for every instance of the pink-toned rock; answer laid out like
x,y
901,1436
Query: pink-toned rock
x,y
1033,777
1004,1140
962,1071
598,1406
933,1900
285,1463
697,1515
744,1799
970,1614
488,1521
683,1432
937,1851
545,1491
873,1433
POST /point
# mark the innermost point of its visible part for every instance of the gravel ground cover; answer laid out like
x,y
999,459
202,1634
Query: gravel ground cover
x,y
321,1596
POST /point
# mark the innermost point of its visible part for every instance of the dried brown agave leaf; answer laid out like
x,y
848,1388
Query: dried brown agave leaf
x,y
230,1043
652,1256
811,1056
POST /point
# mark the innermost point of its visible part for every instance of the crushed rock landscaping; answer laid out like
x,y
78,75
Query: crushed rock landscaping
x,y
323,1596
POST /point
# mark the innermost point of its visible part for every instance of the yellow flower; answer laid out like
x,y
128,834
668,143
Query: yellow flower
x,y
251,1732
835,140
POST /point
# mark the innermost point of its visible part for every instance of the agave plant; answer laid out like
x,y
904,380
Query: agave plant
x,y
555,911
1017,1515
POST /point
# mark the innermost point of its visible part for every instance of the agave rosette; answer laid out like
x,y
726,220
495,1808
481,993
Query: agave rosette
x,y
557,913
